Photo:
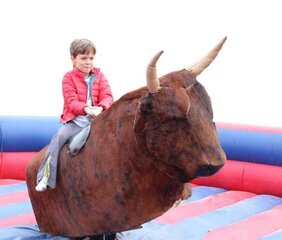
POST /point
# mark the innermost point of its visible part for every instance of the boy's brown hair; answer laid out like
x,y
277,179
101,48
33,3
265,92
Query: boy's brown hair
x,y
82,46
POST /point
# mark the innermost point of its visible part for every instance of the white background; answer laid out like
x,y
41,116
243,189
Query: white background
x,y
244,82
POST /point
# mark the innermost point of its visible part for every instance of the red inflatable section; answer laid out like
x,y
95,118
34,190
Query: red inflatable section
x,y
245,176
251,228
246,128
202,206
13,164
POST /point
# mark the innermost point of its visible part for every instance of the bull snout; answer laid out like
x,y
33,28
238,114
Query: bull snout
x,y
214,160
208,170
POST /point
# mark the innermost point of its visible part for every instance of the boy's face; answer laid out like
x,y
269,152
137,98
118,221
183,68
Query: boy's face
x,y
83,62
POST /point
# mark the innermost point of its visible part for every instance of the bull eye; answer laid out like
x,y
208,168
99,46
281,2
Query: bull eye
x,y
181,118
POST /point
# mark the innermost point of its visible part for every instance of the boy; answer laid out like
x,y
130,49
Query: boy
x,y
86,93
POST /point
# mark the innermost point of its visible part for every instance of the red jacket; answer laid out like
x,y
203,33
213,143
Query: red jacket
x,y
75,93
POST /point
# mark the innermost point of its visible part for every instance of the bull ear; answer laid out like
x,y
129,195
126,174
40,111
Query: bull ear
x,y
139,122
139,133
201,65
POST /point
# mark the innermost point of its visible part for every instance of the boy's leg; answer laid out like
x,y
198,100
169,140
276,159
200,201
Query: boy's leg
x,y
42,185
53,151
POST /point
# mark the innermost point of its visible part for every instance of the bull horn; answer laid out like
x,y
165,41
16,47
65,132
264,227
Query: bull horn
x,y
153,83
200,66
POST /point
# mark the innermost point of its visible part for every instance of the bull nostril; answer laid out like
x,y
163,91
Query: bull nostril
x,y
207,170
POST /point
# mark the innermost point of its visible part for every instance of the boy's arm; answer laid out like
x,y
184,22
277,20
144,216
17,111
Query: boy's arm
x,y
105,95
70,96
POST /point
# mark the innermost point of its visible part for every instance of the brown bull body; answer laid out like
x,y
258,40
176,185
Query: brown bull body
x,y
135,163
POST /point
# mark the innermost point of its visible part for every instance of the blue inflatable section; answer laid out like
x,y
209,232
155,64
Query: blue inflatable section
x,y
26,232
26,133
203,192
12,188
274,236
252,146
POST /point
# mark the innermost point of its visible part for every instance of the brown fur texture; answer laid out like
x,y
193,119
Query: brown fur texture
x,y
139,156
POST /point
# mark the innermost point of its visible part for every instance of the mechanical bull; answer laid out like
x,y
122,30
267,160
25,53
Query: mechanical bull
x,y
137,162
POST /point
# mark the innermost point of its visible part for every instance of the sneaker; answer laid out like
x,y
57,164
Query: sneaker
x,y
42,185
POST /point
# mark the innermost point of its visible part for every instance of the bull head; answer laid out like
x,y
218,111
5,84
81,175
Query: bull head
x,y
174,126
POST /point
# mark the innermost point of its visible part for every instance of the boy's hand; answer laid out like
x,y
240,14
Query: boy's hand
x,y
93,111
